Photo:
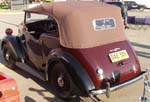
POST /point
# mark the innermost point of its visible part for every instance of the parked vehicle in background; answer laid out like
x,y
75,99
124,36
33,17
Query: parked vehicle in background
x,y
142,2
124,12
77,52
133,5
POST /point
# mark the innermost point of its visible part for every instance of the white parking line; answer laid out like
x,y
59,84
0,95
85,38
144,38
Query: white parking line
x,y
10,13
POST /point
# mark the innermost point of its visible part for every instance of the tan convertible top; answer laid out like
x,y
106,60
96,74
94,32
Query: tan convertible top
x,y
76,22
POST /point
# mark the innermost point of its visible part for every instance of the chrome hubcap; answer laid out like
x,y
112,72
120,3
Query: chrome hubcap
x,y
60,81
7,56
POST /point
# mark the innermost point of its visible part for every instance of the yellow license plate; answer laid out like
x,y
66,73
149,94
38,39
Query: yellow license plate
x,y
118,56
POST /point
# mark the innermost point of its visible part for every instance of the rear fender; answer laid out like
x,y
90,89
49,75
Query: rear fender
x,y
16,46
79,75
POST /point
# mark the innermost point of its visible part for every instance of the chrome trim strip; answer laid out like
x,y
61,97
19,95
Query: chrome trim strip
x,y
100,91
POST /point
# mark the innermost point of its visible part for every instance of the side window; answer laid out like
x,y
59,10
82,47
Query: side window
x,y
38,24
52,27
34,25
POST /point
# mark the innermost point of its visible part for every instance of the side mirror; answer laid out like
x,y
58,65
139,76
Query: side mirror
x,y
28,15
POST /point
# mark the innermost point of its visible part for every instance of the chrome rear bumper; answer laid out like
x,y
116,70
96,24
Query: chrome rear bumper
x,y
100,91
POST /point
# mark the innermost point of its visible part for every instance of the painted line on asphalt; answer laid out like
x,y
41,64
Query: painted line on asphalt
x,y
9,23
10,13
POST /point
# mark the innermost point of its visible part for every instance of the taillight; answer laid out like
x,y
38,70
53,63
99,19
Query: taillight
x,y
9,31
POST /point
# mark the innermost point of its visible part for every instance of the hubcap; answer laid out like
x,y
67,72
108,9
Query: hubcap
x,y
60,81
7,56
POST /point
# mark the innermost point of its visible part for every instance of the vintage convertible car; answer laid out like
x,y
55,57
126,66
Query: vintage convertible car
x,y
79,47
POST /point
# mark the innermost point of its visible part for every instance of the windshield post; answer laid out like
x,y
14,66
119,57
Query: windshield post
x,y
25,18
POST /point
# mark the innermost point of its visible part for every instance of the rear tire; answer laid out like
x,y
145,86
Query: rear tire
x,y
61,82
9,56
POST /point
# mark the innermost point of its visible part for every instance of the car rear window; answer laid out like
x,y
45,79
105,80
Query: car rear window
x,y
104,23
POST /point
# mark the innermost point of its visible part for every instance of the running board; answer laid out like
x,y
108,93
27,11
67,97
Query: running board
x,y
34,72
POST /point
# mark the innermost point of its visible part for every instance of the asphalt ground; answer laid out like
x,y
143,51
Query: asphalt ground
x,y
33,90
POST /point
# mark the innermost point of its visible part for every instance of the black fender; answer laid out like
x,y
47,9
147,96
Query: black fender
x,y
14,42
79,75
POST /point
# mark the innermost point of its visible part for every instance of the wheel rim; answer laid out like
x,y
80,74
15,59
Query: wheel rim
x,y
7,56
142,9
61,82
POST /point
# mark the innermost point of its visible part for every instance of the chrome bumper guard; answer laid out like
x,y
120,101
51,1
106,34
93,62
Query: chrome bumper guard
x,y
100,91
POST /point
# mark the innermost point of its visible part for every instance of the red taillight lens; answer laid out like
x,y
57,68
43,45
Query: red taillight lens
x,y
9,31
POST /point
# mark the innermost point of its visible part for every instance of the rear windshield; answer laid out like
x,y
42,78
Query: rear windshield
x,y
104,23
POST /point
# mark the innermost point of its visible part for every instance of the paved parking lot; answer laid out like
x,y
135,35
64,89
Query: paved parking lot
x,y
33,90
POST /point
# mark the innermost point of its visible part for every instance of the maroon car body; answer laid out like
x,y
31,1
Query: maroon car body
x,y
79,44
99,57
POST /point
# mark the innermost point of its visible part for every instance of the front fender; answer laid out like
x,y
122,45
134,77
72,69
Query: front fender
x,y
79,75
15,44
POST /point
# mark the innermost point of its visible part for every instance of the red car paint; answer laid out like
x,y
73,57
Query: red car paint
x,y
8,89
92,58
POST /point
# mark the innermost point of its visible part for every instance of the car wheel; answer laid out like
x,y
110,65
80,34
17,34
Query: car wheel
x,y
142,9
9,56
61,82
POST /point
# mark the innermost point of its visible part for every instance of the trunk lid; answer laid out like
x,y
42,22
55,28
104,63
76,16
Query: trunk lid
x,y
115,70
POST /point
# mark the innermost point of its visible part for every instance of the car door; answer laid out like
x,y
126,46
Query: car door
x,y
39,45
49,42
34,50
